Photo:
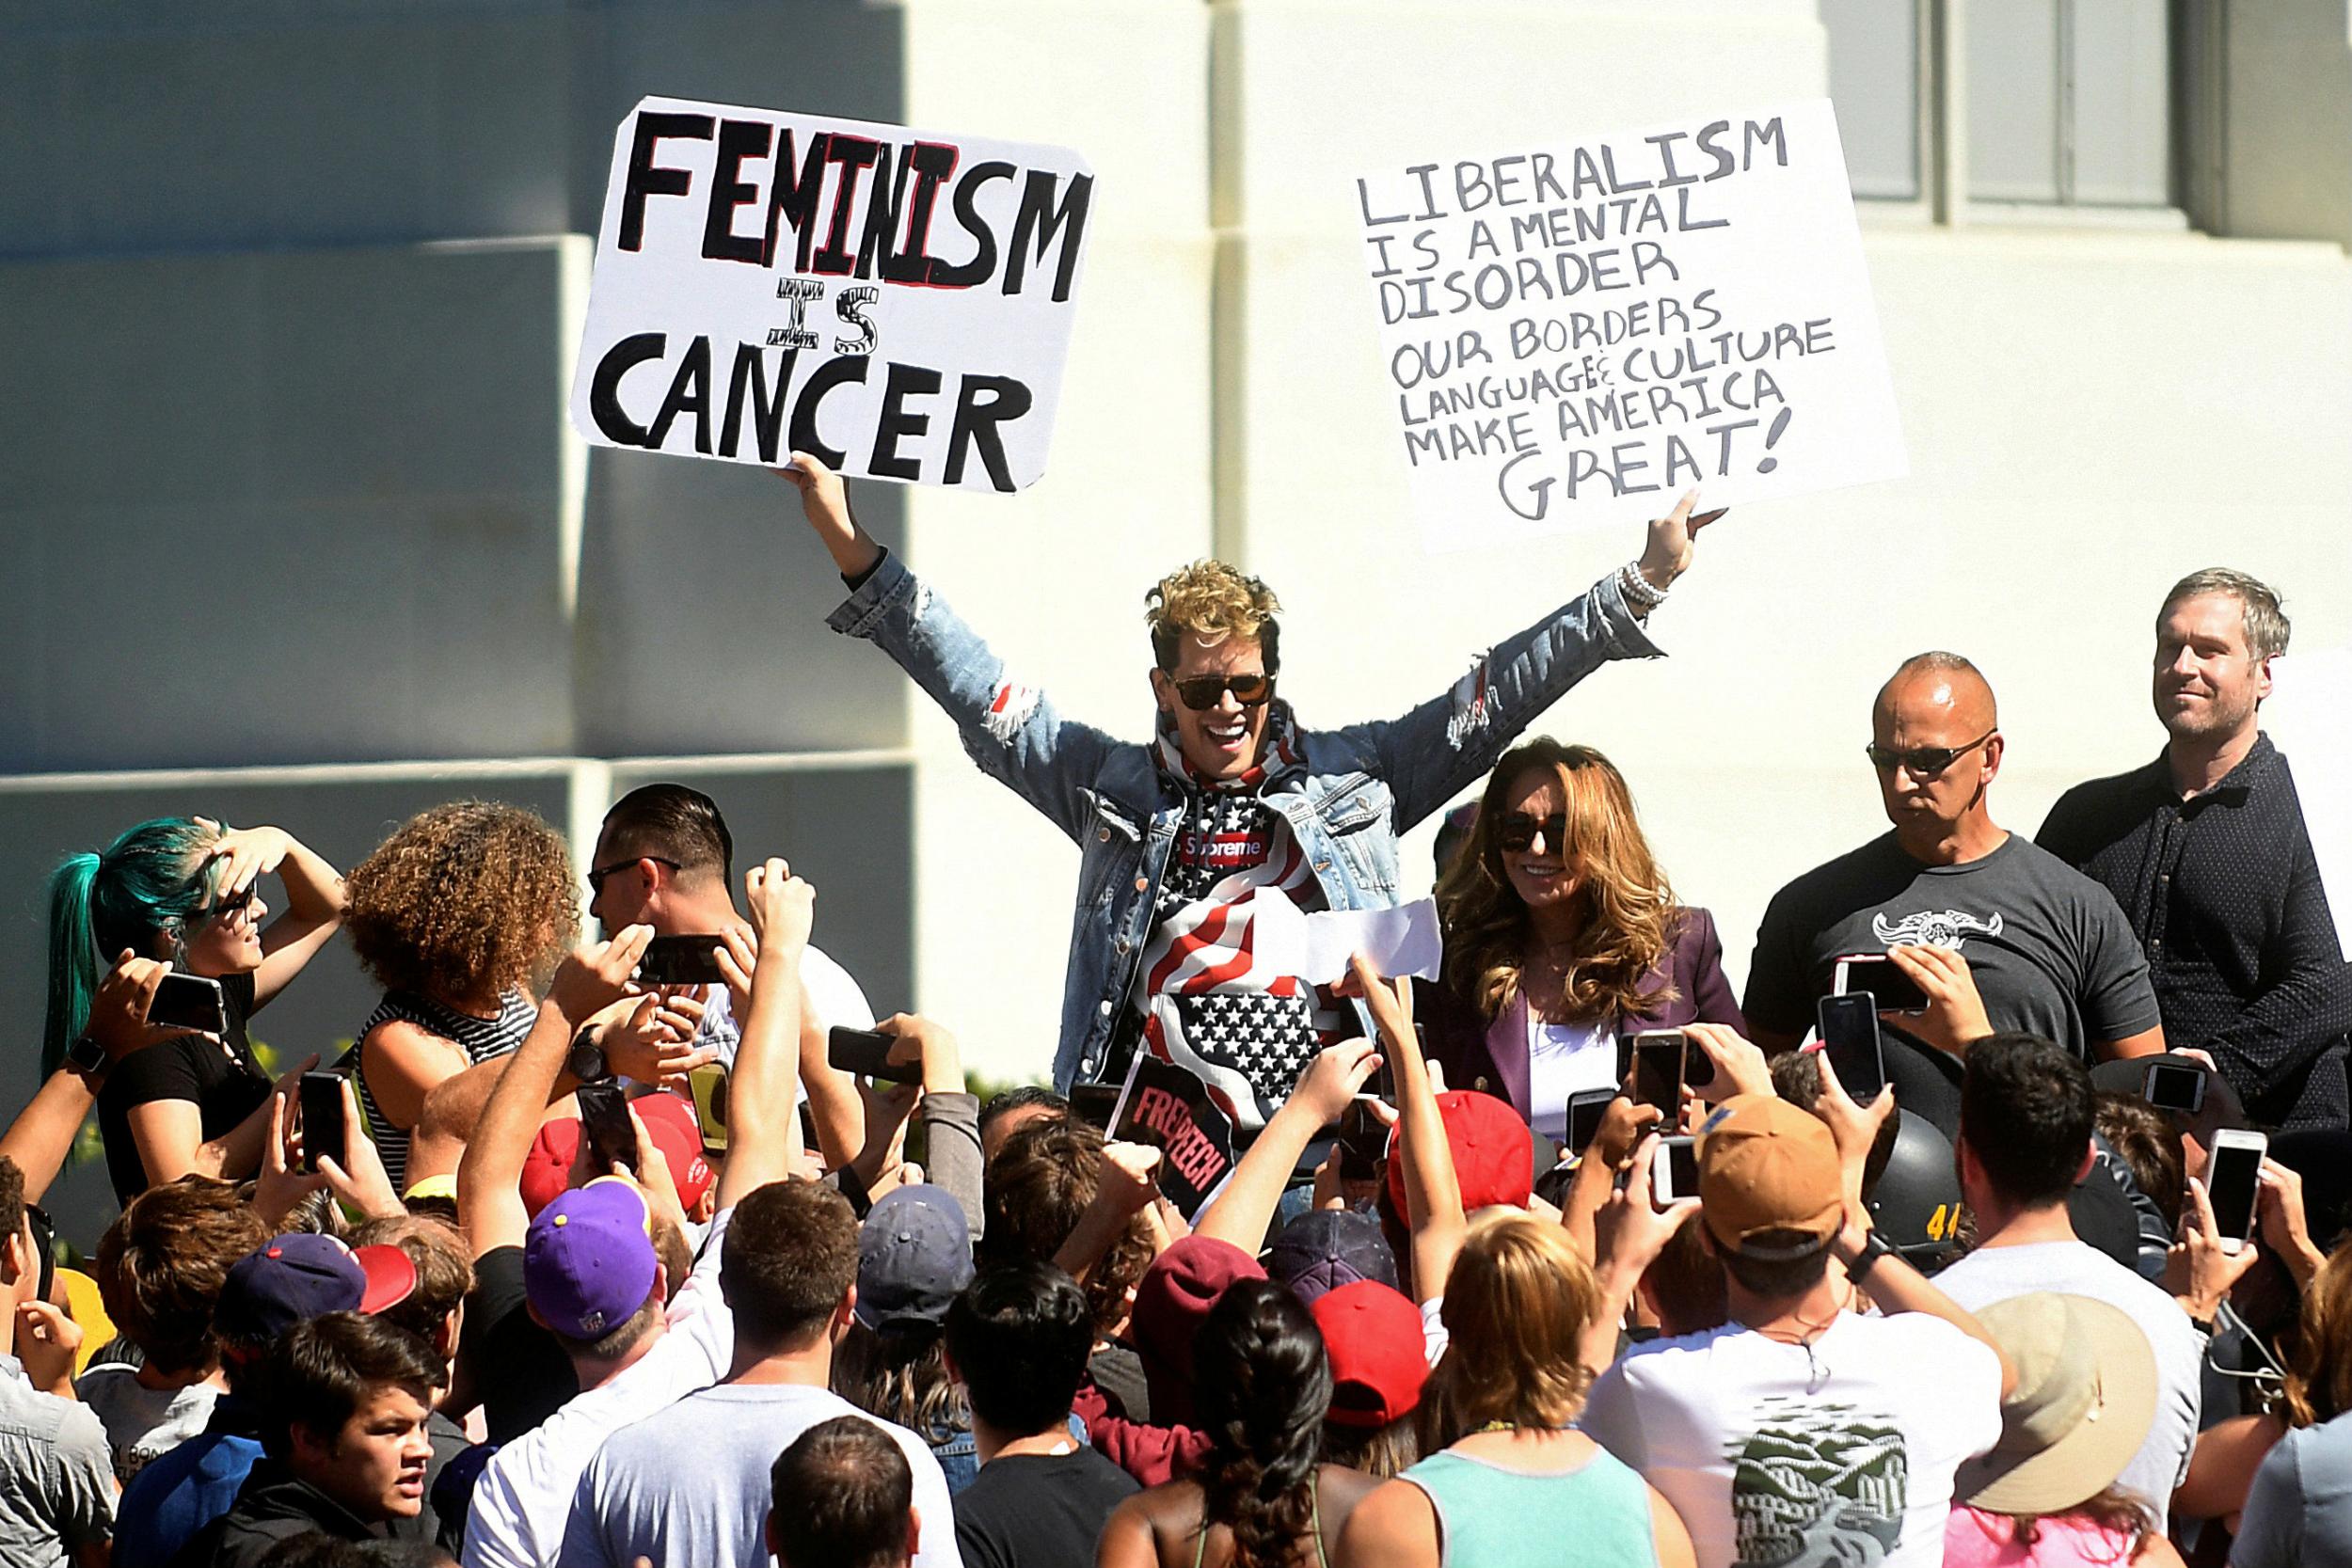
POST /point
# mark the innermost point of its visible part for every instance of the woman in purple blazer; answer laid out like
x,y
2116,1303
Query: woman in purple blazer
x,y
1561,933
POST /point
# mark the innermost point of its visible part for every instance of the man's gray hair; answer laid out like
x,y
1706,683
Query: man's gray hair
x,y
2266,628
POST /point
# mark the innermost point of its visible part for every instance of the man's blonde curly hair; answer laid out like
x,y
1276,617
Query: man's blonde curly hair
x,y
1211,601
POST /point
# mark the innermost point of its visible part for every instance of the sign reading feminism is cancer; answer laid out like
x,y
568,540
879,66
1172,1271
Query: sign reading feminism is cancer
x,y
897,303
1578,333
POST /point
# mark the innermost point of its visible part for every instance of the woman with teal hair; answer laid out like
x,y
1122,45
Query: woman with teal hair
x,y
184,892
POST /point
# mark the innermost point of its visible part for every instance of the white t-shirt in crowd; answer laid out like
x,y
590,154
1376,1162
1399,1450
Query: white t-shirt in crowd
x,y
1839,1451
1563,1059
834,995
689,1484
142,1423
2077,1269
524,1497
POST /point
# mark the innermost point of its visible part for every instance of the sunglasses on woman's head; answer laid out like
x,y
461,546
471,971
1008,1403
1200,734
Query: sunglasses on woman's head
x,y
1516,833
1203,692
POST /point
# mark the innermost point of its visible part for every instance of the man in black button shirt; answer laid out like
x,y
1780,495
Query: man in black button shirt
x,y
2205,850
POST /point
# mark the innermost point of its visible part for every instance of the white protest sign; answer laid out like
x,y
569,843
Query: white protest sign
x,y
2309,718
1576,334
896,302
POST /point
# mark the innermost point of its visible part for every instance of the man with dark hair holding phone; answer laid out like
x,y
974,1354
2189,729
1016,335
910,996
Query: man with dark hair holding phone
x,y
665,858
2027,1112
2046,948
2206,851
1232,800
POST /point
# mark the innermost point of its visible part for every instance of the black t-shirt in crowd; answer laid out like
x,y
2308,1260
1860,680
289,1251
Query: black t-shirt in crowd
x,y
520,1372
2049,948
1039,1511
225,1084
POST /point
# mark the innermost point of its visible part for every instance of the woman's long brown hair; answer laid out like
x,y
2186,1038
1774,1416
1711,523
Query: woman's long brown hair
x,y
1626,910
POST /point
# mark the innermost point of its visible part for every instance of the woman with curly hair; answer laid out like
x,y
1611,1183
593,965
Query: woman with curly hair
x,y
1561,935
1262,1385
184,892
455,914
1515,1482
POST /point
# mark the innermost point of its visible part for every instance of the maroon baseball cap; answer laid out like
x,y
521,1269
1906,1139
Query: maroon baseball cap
x,y
1494,1154
1379,1360
1172,1301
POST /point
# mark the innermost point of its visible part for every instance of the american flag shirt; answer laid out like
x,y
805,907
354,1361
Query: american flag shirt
x,y
1204,1001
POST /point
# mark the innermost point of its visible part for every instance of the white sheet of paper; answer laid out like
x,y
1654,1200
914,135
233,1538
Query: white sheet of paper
x,y
1577,333
1402,940
2309,718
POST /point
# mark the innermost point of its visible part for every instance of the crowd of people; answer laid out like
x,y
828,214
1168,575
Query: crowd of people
x,y
571,1260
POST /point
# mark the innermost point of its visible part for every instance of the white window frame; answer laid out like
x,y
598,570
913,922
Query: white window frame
x,y
1941,97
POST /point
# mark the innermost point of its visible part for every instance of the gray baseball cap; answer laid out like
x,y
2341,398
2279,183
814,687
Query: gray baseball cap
x,y
914,1257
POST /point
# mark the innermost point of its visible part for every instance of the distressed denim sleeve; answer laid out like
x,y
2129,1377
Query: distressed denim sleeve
x,y
1011,730
1450,741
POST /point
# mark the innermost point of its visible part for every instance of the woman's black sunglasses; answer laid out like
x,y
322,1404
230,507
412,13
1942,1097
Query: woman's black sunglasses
x,y
1516,833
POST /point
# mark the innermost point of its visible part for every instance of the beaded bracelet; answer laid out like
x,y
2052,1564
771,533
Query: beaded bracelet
x,y
1637,589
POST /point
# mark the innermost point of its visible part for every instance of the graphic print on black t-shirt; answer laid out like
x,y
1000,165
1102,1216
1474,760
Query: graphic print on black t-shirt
x,y
1946,928
1817,1485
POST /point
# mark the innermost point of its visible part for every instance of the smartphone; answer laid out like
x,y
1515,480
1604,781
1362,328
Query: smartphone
x,y
1849,1028
1877,973
1674,1171
189,1002
1093,1103
709,1083
1585,1108
866,1054
322,1105
2232,1178
611,1137
2174,1087
689,961
1363,1139
1658,1062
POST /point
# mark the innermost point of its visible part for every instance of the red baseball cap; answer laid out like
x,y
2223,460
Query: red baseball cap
x,y
1172,1301
1494,1154
669,1121
1378,1356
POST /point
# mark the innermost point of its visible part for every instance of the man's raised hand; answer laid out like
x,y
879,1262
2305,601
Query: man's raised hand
x,y
1666,554
782,906
597,974
825,501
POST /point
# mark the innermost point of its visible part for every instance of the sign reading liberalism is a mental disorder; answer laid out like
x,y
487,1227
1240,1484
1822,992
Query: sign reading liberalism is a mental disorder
x,y
894,302
1578,334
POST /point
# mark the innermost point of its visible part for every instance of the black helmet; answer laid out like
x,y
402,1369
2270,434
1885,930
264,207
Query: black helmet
x,y
1915,1203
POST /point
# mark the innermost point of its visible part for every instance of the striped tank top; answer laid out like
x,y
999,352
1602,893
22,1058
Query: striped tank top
x,y
480,1039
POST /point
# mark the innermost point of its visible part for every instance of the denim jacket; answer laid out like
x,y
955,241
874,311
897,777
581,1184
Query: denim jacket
x,y
1362,787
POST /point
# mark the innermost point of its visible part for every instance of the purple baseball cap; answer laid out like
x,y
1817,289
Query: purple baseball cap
x,y
588,1258
1326,1248
297,1276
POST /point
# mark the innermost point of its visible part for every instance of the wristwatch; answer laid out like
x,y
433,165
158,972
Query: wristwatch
x,y
585,1060
85,1057
1874,1246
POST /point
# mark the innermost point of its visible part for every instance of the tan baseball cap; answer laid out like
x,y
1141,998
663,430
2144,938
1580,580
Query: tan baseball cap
x,y
1766,1164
